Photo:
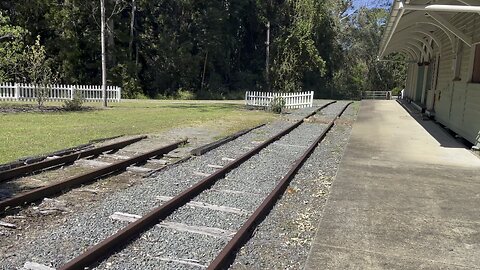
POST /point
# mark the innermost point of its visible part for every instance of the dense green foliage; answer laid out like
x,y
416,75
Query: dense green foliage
x,y
202,49
361,37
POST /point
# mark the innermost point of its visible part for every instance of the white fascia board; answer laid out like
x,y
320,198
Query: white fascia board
x,y
395,16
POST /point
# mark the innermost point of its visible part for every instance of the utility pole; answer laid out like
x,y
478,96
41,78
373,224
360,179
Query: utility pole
x,y
267,61
104,58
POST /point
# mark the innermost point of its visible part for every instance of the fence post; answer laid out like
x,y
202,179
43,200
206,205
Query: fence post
x,y
119,93
17,91
72,92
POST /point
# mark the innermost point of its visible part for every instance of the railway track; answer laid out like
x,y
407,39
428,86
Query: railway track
x,y
77,180
58,161
176,208
84,178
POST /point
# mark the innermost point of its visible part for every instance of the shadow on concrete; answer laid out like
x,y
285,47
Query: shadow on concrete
x,y
443,136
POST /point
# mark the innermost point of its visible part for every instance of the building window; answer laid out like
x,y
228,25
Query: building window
x,y
476,65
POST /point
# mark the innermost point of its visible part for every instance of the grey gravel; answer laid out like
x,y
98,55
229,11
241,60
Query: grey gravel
x,y
258,175
55,246
284,238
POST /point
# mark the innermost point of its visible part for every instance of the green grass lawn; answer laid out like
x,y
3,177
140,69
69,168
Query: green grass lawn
x,y
26,134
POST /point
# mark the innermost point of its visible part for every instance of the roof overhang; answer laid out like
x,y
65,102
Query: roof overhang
x,y
422,22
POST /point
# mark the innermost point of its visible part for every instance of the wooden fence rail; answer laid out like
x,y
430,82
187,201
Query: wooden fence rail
x,y
292,100
56,92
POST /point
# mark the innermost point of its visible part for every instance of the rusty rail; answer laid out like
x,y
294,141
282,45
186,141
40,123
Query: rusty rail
x,y
48,163
75,181
134,229
226,256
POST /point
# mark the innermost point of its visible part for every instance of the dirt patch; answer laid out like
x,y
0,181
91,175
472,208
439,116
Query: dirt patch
x,y
29,108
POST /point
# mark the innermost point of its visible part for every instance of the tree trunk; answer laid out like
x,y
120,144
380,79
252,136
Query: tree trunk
x,y
111,56
267,58
104,58
132,30
204,71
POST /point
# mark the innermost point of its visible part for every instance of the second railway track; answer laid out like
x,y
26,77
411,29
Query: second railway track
x,y
192,233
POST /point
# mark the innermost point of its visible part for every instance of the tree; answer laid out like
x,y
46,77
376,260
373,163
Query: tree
x,y
361,36
38,70
11,49
211,48
297,48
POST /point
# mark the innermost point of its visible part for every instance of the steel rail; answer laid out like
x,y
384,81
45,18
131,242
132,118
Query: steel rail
x,y
78,180
225,257
134,229
48,163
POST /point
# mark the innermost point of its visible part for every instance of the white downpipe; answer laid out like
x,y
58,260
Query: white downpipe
x,y
443,8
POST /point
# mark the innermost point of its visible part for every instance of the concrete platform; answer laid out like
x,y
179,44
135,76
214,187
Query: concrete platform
x,y
406,196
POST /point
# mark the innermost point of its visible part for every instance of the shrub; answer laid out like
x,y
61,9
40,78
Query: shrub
x,y
396,91
184,94
161,96
75,104
277,105
208,93
141,96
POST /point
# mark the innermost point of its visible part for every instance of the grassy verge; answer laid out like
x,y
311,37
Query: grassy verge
x,y
26,134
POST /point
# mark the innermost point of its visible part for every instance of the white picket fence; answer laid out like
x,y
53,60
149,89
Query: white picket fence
x,y
292,100
27,92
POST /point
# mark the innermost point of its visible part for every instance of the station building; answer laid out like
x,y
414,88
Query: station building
x,y
441,42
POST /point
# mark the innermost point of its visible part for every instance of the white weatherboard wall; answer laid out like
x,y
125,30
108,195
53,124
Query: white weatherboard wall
x,y
292,100
27,92
455,101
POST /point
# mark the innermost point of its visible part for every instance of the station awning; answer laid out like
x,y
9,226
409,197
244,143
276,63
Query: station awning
x,y
415,27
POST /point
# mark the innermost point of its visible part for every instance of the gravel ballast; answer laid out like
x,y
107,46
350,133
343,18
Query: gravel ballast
x,y
161,248
257,177
284,238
